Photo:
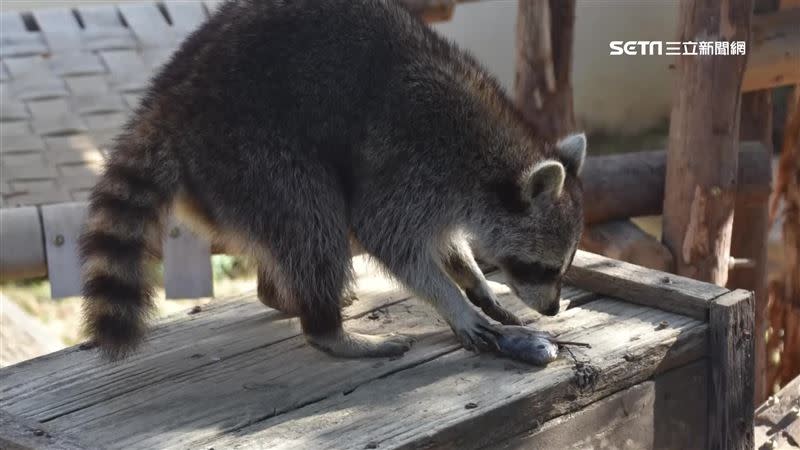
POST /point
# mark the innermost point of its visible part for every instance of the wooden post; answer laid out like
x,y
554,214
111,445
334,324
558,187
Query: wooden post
x,y
542,86
703,144
731,377
750,229
784,313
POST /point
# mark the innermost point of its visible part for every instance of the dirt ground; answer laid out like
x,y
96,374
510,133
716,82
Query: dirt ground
x,y
33,324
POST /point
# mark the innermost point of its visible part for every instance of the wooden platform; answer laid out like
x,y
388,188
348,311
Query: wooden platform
x,y
239,375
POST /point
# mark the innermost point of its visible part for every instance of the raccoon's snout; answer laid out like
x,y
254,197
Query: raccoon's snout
x,y
552,310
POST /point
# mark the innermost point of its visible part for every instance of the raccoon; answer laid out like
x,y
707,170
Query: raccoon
x,y
284,129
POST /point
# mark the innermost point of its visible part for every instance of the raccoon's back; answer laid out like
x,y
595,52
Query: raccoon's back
x,y
296,63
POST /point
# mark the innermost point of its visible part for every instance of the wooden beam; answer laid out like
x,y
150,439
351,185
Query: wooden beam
x,y
774,52
624,240
632,184
700,187
731,373
643,286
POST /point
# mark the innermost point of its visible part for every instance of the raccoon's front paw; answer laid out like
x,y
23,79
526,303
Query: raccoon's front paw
x,y
479,336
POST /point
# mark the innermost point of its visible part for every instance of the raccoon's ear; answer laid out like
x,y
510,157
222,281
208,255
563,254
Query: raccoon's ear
x,y
546,177
572,152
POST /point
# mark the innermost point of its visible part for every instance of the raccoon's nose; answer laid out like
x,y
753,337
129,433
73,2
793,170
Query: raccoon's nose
x,y
552,310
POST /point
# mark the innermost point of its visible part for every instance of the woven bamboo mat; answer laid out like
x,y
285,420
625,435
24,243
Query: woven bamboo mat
x,y
69,78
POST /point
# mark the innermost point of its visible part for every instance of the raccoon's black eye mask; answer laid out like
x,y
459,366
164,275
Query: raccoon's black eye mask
x,y
530,272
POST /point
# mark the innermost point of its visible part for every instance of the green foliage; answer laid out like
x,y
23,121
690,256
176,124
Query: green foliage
x,y
230,267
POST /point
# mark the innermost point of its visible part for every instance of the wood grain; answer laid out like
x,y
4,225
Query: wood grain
x,y
774,51
667,412
463,401
731,364
236,366
542,83
17,433
637,284
700,187
751,224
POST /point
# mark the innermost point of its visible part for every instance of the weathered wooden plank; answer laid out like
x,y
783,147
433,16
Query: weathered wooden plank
x,y
173,347
62,224
777,421
637,284
460,400
22,251
187,264
17,433
667,412
731,371
70,387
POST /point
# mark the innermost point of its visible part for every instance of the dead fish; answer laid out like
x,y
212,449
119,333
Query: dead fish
x,y
527,345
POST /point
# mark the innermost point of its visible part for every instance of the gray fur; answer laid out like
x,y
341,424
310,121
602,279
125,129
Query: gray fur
x,y
295,126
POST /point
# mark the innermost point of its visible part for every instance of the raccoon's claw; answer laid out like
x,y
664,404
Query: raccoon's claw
x,y
481,338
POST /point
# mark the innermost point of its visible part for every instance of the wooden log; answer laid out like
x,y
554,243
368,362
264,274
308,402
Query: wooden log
x,y
731,377
632,184
642,286
542,85
774,51
22,249
624,240
750,229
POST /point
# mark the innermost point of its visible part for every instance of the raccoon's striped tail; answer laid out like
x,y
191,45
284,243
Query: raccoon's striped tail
x,y
121,239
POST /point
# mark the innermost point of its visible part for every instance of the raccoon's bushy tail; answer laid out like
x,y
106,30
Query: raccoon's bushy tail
x,y
121,238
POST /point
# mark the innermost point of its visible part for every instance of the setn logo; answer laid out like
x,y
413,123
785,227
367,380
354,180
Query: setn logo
x,y
635,47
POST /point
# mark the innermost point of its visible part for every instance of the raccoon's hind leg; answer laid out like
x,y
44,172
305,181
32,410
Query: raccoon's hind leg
x,y
462,267
271,296
308,249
